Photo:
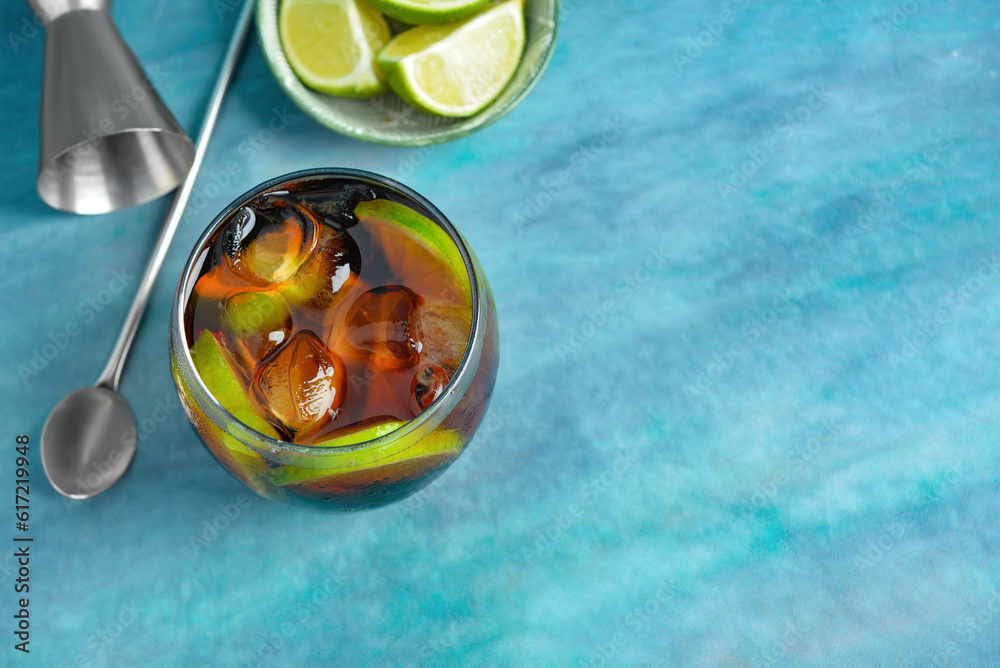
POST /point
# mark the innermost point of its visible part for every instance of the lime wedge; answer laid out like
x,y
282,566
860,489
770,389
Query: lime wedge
x,y
212,363
429,11
250,313
362,435
436,448
331,45
426,237
457,69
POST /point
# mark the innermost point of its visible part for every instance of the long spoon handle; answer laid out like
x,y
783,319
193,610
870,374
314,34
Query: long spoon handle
x,y
113,371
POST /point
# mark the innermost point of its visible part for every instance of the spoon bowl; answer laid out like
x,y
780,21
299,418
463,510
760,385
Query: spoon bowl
x,y
88,442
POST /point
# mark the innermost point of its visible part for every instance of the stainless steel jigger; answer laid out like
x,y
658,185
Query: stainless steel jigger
x,y
108,141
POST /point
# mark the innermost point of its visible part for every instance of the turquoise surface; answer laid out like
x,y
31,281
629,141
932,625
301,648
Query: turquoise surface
x,y
741,418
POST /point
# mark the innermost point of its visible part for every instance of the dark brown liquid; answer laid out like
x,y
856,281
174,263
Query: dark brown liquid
x,y
333,322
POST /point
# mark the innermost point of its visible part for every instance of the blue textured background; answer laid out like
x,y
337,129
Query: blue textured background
x,y
776,445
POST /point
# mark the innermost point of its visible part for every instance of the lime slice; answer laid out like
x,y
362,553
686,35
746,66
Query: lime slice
x,y
370,464
429,11
426,237
362,435
250,313
254,324
457,69
211,361
331,45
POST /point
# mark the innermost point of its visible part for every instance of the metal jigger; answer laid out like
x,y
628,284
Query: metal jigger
x,y
108,141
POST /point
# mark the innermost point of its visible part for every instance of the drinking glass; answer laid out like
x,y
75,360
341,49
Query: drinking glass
x,y
347,477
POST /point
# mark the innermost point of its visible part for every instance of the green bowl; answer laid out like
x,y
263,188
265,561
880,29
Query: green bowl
x,y
386,119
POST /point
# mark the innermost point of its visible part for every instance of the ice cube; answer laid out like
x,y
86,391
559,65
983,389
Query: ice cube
x,y
378,323
255,324
330,271
301,385
336,207
269,239
442,334
428,384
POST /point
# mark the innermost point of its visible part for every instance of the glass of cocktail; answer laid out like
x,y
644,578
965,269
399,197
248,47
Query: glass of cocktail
x,y
333,340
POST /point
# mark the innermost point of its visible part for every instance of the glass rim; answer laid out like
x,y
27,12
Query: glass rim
x,y
268,446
